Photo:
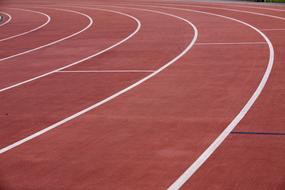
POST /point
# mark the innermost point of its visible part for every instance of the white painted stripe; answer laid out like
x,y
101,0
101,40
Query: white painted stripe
x,y
108,71
84,59
59,40
274,29
32,30
231,43
8,20
210,150
189,46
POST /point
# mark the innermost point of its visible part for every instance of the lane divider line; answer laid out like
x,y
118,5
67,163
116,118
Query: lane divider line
x,y
57,41
32,30
84,59
184,177
108,71
189,46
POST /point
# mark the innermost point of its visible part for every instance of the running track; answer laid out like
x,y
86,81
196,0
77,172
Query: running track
x,y
142,95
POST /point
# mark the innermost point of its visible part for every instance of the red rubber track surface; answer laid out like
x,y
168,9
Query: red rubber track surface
x,y
19,23
147,137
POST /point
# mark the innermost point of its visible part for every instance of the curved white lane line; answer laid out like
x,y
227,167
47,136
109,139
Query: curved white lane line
x,y
218,141
84,59
32,30
8,20
57,41
189,46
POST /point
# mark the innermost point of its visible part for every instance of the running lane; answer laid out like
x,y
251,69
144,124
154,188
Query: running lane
x,y
23,21
145,138
58,28
67,93
252,157
105,32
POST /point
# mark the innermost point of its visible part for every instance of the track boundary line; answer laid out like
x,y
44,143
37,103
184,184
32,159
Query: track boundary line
x,y
178,183
84,59
57,41
189,46
32,30
7,21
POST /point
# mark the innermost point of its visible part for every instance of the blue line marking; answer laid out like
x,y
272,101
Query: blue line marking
x,y
256,133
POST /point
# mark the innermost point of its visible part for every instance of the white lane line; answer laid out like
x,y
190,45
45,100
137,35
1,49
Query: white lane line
x,y
8,20
218,141
231,43
84,59
189,46
32,30
59,40
108,71
273,29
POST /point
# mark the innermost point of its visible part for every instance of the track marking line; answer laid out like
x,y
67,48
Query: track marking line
x,y
231,43
189,46
256,133
8,20
59,40
273,29
210,150
84,59
32,30
182,179
108,71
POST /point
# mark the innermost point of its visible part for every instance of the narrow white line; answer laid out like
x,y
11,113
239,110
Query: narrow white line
x,y
109,71
189,46
274,29
232,43
32,30
57,41
210,150
84,59
8,20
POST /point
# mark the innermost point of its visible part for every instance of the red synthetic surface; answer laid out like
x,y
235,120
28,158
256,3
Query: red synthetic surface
x,y
147,137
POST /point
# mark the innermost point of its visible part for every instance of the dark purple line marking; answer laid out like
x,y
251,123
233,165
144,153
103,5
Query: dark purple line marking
x,y
256,133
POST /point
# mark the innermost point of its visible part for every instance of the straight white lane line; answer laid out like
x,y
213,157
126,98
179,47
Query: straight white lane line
x,y
84,59
108,71
218,141
8,20
32,30
189,46
231,43
59,40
